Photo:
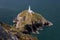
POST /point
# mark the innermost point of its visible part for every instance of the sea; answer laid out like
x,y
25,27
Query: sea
x,y
49,9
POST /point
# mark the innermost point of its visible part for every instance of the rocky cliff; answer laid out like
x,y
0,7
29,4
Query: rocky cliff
x,y
25,23
30,22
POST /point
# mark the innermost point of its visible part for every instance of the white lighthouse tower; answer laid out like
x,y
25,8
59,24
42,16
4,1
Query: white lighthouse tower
x,y
29,10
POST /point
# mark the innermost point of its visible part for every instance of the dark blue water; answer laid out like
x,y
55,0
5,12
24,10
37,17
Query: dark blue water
x,y
50,9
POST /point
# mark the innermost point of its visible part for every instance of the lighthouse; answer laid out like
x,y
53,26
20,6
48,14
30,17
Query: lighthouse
x,y
29,10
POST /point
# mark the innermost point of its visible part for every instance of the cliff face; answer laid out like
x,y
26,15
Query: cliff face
x,y
25,23
30,21
8,32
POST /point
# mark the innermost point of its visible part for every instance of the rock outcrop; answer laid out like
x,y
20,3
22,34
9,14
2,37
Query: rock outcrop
x,y
30,22
25,23
7,34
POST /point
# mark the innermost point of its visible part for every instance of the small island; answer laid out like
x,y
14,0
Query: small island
x,y
25,23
